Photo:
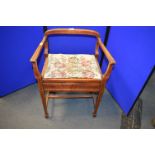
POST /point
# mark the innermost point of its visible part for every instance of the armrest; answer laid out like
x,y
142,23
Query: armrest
x,y
38,50
106,52
35,56
110,59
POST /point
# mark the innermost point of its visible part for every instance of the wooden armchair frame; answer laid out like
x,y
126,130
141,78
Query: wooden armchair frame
x,y
48,85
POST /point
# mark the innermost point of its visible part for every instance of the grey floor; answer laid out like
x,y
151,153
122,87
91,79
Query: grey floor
x,y
23,109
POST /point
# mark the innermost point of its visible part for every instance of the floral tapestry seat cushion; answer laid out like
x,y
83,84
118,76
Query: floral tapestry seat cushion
x,y
72,66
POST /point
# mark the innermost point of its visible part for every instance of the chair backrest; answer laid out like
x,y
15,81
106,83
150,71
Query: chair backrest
x,y
72,31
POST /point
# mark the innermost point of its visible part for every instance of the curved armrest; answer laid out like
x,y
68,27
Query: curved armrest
x,y
106,52
35,56
38,50
110,59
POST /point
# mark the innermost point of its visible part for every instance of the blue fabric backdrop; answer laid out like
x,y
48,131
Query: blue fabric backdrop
x,y
134,51
17,44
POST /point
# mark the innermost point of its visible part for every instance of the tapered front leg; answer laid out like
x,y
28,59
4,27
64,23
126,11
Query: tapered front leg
x,y
43,98
98,101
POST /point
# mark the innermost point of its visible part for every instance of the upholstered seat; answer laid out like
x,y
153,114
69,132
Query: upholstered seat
x,y
72,66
